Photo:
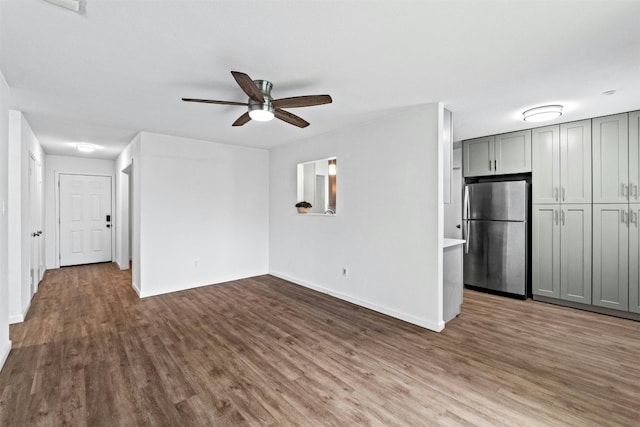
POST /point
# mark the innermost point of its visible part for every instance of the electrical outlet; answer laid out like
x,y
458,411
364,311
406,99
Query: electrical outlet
x,y
345,272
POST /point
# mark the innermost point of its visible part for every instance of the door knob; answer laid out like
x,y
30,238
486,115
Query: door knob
x,y
458,226
108,225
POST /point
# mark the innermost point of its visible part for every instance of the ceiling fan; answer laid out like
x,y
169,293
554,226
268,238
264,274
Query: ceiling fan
x,y
262,107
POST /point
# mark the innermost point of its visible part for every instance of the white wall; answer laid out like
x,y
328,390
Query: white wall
x,y
71,165
122,209
453,210
5,343
388,227
203,213
22,143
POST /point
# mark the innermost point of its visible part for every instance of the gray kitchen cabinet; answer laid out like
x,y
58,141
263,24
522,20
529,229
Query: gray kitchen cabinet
x,y
575,253
513,152
575,162
545,164
634,156
496,155
545,246
634,209
611,255
634,258
561,163
478,156
561,252
611,159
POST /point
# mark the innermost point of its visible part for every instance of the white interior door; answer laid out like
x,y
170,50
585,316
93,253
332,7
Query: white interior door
x,y
85,219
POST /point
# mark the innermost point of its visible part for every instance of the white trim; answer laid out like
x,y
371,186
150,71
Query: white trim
x,y
16,318
56,196
19,318
136,288
437,327
120,266
5,353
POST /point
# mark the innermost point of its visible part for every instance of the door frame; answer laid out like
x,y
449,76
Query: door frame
x,y
34,193
56,189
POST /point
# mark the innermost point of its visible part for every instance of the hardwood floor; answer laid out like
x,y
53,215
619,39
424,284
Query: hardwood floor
x,y
263,351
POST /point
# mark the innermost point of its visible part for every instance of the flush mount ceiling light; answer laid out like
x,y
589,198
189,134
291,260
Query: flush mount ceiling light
x,y
86,147
609,92
542,114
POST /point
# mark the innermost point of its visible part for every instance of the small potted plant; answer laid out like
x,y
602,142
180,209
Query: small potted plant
x,y
303,207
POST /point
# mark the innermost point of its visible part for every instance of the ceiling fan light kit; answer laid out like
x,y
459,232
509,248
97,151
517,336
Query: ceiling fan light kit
x,y
262,111
543,113
262,107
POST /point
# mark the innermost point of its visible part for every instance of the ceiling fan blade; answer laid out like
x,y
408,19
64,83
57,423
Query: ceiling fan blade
x,y
302,101
286,116
248,86
211,101
242,120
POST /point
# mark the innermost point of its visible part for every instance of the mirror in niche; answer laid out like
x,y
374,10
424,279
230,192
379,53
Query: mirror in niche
x,y
317,185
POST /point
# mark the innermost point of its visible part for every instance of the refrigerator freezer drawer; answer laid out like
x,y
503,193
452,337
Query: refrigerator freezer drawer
x,y
496,256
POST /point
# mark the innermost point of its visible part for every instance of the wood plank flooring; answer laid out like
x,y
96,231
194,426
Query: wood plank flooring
x,y
264,352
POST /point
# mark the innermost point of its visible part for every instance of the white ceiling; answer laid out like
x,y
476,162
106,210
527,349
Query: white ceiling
x,y
120,67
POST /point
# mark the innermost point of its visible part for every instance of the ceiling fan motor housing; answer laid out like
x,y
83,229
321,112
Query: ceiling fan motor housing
x,y
265,87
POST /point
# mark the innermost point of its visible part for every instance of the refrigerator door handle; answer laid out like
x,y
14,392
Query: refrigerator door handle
x,y
467,236
465,203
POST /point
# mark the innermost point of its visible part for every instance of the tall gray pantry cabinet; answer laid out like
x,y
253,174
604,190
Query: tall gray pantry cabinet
x,y
586,212
561,211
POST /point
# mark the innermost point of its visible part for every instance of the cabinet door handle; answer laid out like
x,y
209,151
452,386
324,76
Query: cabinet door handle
x,y
563,193
622,217
555,216
633,188
562,212
495,165
622,190
489,164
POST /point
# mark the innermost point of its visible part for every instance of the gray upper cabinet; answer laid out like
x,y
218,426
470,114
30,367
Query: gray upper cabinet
x,y
634,156
513,152
478,157
611,160
575,162
575,253
545,168
611,255
497,155
562,163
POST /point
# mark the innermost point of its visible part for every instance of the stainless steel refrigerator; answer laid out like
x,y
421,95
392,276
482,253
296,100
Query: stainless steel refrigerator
x,y
495,226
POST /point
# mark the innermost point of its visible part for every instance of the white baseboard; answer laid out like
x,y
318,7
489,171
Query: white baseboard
x,y
434,326
122,266
16,318
19,318
4,353
136,289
